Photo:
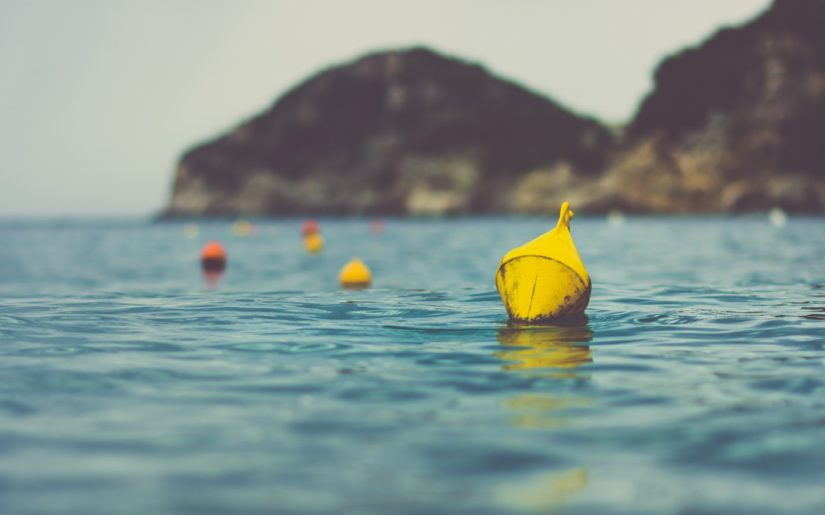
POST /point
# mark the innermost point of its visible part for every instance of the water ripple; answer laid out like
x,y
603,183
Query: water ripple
x,y
128,386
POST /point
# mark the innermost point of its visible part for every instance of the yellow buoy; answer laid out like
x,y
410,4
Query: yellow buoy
x,y
243,228
355,274
314,242
544,278
190,230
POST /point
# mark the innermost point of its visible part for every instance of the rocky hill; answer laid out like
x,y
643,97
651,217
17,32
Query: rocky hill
x,y
735,124
400,132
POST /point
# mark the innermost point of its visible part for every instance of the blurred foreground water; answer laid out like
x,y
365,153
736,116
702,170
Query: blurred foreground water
x,y
128,386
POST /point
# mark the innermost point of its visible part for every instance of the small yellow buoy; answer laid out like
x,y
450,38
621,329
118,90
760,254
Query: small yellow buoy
x,y
243,228
190,230
314,242
355,274
544,278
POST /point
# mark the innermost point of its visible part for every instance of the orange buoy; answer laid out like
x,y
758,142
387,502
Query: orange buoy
x,y
213,257
355,274
310,227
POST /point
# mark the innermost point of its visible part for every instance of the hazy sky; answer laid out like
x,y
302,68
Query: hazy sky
x,y
98,98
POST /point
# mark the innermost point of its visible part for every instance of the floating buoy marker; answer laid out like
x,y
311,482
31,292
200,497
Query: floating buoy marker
x,y
777,217
377,227
244,228
213,257
309,227
314,242
355,274
544,278
190,230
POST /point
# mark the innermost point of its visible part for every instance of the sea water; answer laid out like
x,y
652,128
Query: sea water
x,y
130,385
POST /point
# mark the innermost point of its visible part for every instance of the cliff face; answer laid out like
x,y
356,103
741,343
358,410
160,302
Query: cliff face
x,y
735,124
394,133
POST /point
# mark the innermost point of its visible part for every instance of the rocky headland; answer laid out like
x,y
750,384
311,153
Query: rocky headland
x,y
401,132
734,124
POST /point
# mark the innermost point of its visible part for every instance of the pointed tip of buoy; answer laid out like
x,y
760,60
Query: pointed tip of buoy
x,y
213,257
565,215
355,274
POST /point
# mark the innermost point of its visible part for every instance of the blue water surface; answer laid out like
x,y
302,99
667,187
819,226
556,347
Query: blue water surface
x,y
128,385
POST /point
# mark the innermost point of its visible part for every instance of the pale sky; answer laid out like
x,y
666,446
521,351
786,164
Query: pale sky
x,y
98,98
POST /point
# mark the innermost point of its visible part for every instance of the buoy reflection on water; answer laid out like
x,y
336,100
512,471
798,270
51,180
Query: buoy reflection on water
x,y
544,493
212,278
545,346
548,352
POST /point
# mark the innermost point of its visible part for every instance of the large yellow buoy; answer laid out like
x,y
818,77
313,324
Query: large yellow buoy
x,y
314,242
355,274
544,278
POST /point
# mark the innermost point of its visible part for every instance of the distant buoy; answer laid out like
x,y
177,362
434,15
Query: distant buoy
x,y
615,217
213,257
243,228
777,217
314,242
310,227
190,230
377,227
355,274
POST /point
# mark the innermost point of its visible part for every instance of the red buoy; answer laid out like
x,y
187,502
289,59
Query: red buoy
x,y
377,226
310,227
213,257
